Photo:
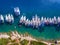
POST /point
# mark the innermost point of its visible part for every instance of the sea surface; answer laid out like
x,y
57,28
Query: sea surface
x,y
45,8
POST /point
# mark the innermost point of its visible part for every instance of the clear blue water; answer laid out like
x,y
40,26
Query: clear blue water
x,y
44,8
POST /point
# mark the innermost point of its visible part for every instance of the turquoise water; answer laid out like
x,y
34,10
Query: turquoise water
x,y
31,7
48,33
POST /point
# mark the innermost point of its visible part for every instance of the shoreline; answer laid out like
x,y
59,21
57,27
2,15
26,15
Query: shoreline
x,y
15,35
29,35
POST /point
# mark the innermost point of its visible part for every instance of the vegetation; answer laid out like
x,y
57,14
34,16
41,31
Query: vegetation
x,y
36,43
14,44
52,44
24,42
18,41
4,41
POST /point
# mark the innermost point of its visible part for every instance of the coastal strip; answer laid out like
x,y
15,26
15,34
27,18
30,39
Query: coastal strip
x,y
14,35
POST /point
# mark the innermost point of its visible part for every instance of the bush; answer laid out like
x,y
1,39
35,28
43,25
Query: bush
x,y
36,43
4,41
24,42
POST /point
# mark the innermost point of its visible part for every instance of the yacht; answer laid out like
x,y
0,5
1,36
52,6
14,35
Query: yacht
x,y
21,19
33,18
42,18
9,18
6,18
1,19
47,21
55,20
24,19
17,11
50,21
36,17
58,19
12,19
27,21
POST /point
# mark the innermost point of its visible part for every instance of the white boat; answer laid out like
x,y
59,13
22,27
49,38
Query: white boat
x,y
9,18
17,11
58,19
55,20
26,23
33,23
12,19
24,18
33,18
37,24
50,20
45,20
42,18
36,17
29,22
6,18
1,19
21,19
38,20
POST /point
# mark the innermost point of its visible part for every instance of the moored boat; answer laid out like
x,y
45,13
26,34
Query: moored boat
x,y
37,22
16,11
51,21
6,18
12,19
58,19
9,18
55,20
1,19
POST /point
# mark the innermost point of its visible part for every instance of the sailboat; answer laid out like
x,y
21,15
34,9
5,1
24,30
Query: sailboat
x,y
26,23
12,19
1,19
17,11
6,18
9,18
55,20
50,21
58,19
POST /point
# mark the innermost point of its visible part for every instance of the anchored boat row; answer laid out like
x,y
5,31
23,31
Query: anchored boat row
x,y
8,18
36,22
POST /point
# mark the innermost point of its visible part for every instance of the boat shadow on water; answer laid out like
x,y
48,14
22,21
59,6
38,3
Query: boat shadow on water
x,y
57,28
41,29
